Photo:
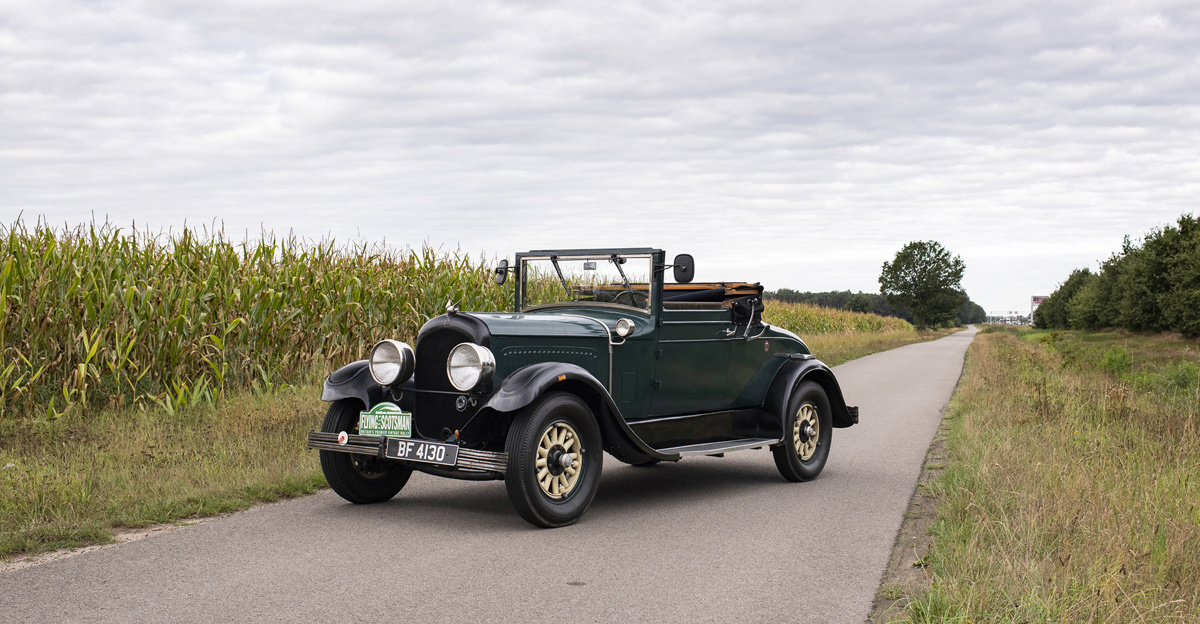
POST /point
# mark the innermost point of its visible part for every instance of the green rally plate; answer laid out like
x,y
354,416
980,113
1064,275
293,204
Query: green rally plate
x,y
385,419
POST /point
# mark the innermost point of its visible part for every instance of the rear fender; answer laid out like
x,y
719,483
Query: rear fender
x,y
797,370
525,385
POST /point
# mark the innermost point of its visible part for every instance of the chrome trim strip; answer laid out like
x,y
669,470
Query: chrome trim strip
x,y
714,448
658,419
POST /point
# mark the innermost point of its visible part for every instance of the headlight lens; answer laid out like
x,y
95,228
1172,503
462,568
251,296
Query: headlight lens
x,y
469,365
392,362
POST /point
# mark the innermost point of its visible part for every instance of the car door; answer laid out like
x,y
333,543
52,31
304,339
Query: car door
x,y
692,362
747,356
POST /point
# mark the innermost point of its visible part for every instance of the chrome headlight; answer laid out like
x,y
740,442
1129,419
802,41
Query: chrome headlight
x,y
392,362
469,366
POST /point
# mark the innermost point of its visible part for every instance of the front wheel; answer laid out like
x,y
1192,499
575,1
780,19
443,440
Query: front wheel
x,y
554,459
808,431
360,479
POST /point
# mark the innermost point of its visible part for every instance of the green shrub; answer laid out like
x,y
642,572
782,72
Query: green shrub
x,y
1116,361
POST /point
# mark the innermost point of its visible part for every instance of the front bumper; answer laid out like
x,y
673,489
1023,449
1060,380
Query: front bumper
x,y
469,460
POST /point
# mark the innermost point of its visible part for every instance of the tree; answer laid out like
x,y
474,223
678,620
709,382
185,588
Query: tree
x,y
1085,310
1055,311
860,303
1152,286
925,279
1181,301
971,312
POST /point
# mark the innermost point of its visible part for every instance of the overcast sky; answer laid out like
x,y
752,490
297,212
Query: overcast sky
x,y
800,144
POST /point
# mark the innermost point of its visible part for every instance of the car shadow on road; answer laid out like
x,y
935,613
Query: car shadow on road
x,y
686,482
666,488
470,506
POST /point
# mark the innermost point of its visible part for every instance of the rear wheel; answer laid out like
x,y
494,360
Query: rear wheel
x,y
554,460
359,479
808,432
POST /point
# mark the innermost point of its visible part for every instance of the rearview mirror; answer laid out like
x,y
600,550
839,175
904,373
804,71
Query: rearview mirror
x,y
685,268
502,272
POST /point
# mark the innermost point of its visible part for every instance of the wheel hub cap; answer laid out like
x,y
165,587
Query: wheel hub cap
x,y
559,460
806,431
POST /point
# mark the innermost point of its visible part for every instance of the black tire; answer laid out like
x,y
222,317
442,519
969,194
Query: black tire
x,y
796,457
555,423
360,479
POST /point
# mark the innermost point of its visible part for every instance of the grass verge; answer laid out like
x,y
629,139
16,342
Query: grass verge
x,y
72,481
1071,491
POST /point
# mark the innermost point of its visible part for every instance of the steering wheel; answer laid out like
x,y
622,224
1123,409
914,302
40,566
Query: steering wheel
x,y
632,298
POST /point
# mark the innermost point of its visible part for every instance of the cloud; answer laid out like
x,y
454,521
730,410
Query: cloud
x,y
796,144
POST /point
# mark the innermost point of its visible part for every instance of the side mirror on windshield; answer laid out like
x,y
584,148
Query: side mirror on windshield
x,y
685,268
502,272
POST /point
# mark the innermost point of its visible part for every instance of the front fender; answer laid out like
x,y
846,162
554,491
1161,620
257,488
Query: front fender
x,y
524,386
353,381
796,370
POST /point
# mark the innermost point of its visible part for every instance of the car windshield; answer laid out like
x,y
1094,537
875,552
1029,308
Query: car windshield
x,y
592,279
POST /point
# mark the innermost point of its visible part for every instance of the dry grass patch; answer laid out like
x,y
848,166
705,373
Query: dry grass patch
x,y
72,481
1072,493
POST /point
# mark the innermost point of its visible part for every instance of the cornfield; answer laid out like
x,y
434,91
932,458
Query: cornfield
x,y
95,316
809,320
99,317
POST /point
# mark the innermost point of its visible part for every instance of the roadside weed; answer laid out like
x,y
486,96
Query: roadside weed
x,y
1071,491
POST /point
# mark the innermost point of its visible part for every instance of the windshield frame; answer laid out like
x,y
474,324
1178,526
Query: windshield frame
x,y
597,255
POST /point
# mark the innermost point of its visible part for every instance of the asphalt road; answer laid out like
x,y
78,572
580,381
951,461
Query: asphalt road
x,y
703,540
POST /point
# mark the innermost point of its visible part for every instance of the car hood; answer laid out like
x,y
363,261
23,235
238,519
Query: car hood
x,y
502,324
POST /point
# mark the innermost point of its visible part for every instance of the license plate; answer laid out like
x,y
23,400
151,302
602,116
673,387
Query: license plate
x,y
422,451
385,419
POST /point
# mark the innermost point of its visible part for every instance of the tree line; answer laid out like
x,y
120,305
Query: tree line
x,y
922,285
874,303
1152,286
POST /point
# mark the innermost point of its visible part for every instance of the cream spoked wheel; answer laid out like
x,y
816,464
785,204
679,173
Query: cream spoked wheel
x,y
806,431
559,460
555,455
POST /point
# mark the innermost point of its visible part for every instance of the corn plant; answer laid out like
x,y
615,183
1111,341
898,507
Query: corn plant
x,y
97,315
809,320
101,316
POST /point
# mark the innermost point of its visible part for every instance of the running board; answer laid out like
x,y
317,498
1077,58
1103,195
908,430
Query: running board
x,y
723,446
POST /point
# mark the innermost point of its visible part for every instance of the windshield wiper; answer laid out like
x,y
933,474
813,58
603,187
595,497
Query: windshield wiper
x,y
617,261
561,279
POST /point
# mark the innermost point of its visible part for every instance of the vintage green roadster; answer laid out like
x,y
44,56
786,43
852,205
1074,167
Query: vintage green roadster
x,y
599,354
